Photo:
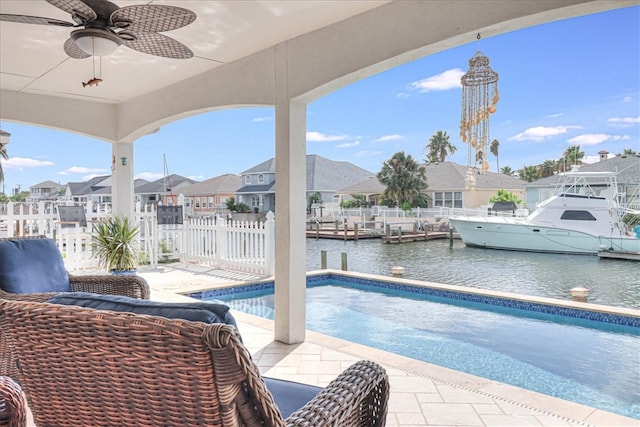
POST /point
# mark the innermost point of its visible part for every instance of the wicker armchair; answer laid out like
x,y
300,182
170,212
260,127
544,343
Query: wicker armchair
x,y
132,286
13,409
87,367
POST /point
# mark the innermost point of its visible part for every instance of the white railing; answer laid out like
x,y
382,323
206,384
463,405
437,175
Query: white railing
x,y
247,246
236,245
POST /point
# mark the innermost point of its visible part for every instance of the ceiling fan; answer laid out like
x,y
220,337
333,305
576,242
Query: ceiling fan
x,y
107,26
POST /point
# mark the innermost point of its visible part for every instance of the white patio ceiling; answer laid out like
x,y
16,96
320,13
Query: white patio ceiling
x,y
330,43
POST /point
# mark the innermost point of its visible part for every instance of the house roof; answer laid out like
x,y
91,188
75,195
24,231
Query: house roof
x,y
158,186
369,186
627,167
268,166
260,188
48,184
451,176
227,183
323,175
89,186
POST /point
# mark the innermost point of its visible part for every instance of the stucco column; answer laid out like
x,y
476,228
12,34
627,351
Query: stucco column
x,y
290,213
122,179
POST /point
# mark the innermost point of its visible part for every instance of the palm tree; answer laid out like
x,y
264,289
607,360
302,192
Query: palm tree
x,y
3,155
627,152
547,168
529,173
573,155
439,147
403,177
494,148
507,171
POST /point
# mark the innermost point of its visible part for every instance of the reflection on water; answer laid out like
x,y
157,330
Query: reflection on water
x,y
610,282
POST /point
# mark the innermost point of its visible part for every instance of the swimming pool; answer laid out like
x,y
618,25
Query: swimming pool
x,y
588,357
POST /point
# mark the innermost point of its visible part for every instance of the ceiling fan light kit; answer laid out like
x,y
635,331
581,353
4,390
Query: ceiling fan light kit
x,y
96,42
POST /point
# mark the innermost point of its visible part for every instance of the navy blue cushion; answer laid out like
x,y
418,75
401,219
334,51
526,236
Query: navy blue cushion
x,y
290,396
197,311
32,266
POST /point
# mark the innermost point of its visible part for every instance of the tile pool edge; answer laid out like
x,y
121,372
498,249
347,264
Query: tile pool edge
x,y
595,312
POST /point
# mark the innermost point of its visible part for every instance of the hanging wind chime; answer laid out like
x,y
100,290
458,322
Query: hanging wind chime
x,y
479,99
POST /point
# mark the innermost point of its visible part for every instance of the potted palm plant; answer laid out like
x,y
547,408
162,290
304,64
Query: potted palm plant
x,y
116,245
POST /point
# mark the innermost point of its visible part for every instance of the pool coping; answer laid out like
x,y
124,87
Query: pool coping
x,y
575,309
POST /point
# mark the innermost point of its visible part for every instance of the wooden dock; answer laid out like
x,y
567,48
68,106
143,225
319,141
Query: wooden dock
x,y
422,237
626,255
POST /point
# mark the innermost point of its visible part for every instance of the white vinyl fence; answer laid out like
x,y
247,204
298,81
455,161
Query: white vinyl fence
x,y
246,246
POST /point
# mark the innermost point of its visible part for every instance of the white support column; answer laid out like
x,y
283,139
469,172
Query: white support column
x,y
122,179
290,265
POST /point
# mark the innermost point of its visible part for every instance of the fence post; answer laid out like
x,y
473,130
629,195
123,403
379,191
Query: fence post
x,y
270,233
323,260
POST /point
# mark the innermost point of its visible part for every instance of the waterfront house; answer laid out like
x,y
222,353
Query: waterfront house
x,y
210,196
96,190
165,190
324,178
628,177
448,186
46,190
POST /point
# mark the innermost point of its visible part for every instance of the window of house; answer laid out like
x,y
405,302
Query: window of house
x,y
260,179
449,199
255,201
577,215
197,202
211,202
247,179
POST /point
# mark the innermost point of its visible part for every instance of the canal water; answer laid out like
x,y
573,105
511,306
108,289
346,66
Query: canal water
x,y
610,282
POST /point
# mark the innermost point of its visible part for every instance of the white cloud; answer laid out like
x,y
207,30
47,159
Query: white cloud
x,y
627,99
24,163
595,139
553,116
262,119
321,137
402,95
348,144
386,138
540,133
367,153
446,80
149,176
624,120
80,169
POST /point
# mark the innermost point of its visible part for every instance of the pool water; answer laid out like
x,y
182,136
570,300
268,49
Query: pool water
x,y
584,361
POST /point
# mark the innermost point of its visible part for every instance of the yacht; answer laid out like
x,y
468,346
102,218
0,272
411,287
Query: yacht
x,y
580,218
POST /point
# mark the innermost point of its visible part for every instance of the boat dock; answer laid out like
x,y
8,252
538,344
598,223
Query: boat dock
x,y
626,255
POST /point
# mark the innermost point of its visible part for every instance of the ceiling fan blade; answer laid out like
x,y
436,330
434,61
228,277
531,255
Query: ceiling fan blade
x,y
25,19
73,50
159,45
153,18
75,7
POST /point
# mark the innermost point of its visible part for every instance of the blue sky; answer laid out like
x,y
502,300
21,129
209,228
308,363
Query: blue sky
x,y
572,82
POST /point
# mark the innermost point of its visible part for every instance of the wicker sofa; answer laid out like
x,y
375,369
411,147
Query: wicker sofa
x,y
38,262
90,367
13,412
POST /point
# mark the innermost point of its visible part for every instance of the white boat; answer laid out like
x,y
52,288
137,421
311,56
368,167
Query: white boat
x,y
582,218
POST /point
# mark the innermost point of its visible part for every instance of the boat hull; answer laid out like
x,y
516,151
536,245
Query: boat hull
x,y
516,234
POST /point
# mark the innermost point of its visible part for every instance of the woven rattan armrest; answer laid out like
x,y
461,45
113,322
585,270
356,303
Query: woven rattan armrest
x,y
357,397
13,408
130,285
